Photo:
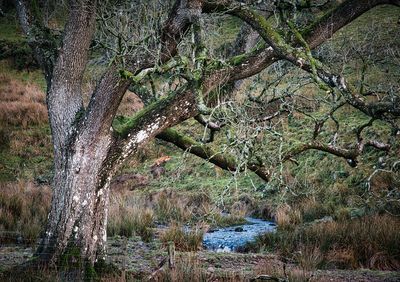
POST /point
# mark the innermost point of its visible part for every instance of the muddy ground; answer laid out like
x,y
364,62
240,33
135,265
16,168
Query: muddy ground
x,y
140,260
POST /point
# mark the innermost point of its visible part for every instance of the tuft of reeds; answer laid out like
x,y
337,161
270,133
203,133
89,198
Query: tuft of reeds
x,y
169,208
23,210
185,239
370,242
286,216
128,219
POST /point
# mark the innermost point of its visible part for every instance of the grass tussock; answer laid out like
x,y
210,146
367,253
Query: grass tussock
x,y
286,216
23,210
218,219
128,219
280,272
170,206
21,104
311,209
370,242
189,268
187,240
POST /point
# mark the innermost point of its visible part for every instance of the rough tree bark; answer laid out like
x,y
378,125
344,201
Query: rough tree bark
x,y
87,151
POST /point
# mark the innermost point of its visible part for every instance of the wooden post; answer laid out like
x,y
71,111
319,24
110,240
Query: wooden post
x,y
171,255
124,258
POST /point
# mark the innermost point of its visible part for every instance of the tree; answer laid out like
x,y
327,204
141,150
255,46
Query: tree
x,y
90,146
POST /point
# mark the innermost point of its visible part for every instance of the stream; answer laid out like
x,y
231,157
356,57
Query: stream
x,y
228,239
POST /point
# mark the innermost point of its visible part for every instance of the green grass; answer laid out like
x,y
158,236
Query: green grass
x,y
28,76
26,153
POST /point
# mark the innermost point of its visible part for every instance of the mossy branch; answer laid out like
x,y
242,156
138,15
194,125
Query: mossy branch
x,y
203,151
123,125
313,62
350,155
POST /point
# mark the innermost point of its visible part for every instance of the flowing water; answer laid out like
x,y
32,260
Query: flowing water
x,y
229,239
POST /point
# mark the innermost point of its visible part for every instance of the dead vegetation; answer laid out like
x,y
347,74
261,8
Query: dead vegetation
x,y
367,242
21,104
127,218
23,211
185,239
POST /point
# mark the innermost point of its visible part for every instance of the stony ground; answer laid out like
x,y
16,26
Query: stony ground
x,y
140,260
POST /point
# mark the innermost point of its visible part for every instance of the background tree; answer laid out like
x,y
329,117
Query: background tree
x,y
90,144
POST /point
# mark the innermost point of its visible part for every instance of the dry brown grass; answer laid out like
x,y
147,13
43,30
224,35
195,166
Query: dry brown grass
x,y
22,104
311,209
170,207
129,216
309,257
130,104
23,209
369,242
287,216
342,257
281,272
189,268
187,240
239,209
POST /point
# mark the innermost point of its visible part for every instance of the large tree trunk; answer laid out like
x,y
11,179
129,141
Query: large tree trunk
x,y
77,212
86,153
78,216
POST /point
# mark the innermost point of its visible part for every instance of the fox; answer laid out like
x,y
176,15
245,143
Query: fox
x,y
157,169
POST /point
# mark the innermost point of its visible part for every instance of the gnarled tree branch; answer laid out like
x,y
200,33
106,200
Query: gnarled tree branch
x,y
203,151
